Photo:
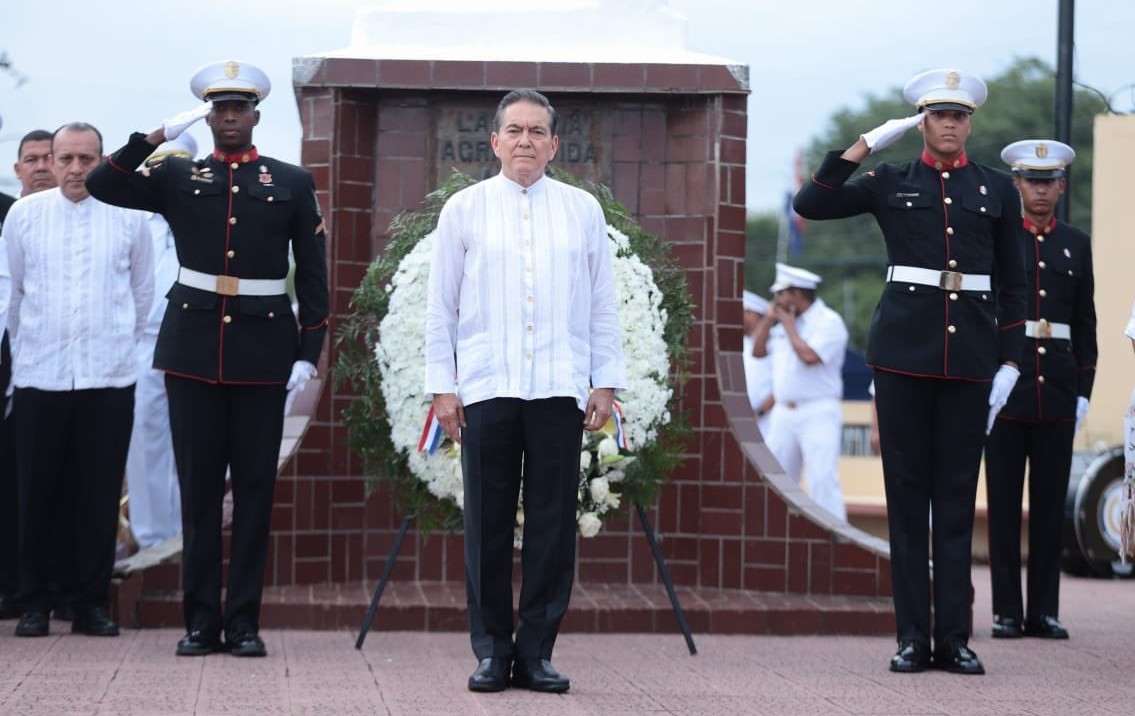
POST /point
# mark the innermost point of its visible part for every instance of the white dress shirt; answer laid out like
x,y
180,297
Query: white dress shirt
x,y
82,282
521,300
793,380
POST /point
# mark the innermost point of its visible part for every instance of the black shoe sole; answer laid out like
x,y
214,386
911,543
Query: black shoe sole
x,y
541,688
31,633
195,651
909,669
487,688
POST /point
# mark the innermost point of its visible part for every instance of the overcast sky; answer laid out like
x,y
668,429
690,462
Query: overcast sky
x,y
125,65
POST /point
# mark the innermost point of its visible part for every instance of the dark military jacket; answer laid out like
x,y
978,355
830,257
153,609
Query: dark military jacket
x,y
964,217
230,215
5,204
1061,288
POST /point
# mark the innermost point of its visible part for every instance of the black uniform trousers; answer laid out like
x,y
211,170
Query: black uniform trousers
x,y
73,446
1047,447
931,435
218,428
9,491
9,513
503,437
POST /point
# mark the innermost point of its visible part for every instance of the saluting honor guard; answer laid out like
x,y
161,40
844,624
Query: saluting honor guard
x,y
229,342
945,342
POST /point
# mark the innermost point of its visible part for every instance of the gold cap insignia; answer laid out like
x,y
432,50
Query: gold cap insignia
x,y
1041,150
953,80
232,69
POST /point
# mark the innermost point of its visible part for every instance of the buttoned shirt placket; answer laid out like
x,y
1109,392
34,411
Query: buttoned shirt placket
x,y
528,340
80,233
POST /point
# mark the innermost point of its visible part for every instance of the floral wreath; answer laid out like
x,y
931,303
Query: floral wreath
x,y
381,353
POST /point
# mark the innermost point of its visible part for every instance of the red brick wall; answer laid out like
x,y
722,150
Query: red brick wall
x,y
728,517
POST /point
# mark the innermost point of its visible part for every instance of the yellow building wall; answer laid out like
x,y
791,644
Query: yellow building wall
x,y
1113,252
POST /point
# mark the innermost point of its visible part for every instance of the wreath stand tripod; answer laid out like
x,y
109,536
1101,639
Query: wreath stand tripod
x,y
646,529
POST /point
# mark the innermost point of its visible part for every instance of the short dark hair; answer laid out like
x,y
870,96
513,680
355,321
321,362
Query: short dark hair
x,y
78,127
36,135
524,95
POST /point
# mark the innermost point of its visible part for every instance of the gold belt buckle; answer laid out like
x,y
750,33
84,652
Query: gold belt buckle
x,y
950,281
228,285
1045,328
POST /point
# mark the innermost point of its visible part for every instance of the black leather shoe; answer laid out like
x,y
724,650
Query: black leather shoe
x,y
1007,628
245,643
198,642
93,621
1046,627
490,675
958,659
8,607
32,623
538,675
911,658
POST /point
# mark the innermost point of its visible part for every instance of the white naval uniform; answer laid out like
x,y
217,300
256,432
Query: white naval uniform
x,y
758,382
806,422
151,476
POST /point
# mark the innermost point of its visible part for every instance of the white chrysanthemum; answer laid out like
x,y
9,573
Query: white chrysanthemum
x,y
402,364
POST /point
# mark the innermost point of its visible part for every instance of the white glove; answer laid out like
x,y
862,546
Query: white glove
x,y
176,125
889,132
1081,411
1003,384
302,371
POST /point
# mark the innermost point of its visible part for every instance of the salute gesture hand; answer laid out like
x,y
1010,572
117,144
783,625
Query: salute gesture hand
x,y
174,126
889,132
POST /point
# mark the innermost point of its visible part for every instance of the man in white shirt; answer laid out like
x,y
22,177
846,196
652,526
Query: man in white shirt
x,y
33,169
806,341
82,283
521,321
758,373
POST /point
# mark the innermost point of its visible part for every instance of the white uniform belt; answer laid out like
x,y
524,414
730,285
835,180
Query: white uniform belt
x,y
231,285
1044,329
945,280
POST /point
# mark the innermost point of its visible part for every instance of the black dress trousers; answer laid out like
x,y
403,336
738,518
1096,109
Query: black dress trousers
x,y
217,428
1045,446
931,453
504,437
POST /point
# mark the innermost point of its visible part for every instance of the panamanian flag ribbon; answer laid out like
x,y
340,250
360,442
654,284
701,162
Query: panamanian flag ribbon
x,y
620,434
431,434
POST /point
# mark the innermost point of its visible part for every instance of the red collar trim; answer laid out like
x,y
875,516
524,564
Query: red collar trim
x,y
1034,229
933,163
240,157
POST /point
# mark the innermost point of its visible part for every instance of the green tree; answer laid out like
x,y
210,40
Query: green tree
x,y
850,254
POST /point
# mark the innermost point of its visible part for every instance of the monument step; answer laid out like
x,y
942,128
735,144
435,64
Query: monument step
x,y
598,608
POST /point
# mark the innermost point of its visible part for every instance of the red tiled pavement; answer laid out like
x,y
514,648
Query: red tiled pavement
x,y
423,674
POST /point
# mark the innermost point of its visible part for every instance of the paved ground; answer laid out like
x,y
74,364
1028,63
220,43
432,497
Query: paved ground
x,y
415,674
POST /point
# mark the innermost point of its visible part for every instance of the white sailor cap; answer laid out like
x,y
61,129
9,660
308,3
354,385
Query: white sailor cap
x,y
230,80
792,277
946,90
1038,158
184,145
753,302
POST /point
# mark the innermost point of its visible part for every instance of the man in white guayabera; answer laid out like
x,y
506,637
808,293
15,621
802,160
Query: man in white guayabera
x,y
521,322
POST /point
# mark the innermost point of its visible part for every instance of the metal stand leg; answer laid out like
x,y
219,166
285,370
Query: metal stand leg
x,y
665,573
386,570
